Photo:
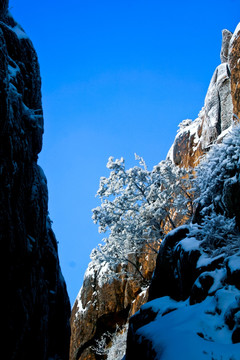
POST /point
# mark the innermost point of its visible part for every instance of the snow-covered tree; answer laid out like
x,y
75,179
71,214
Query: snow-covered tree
x,y
117,342
218,182
137,205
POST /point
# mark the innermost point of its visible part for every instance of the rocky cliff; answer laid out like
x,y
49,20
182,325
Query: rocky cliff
x,y
194,308
101,305
35,298
104,305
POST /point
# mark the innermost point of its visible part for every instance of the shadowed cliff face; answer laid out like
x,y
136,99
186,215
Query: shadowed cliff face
x,y
35,297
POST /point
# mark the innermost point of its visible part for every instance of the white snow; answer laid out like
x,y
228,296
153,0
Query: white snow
x,y
19,32
80,308
162,304
219,275
119,344
189,244
185,126
170,154
90,272
13,71
234,262
205,260
236,34
192,332
103,277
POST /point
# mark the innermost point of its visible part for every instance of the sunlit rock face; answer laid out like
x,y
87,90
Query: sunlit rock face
x,y
35,298
220,110
234,64
194,297
103,304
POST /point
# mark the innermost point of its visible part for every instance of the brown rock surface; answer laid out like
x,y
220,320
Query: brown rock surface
x,y
103,304
221,107
234,63
215,118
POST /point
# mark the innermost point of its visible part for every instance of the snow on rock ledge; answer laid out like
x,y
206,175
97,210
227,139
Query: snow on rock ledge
x,y
104,305
221,108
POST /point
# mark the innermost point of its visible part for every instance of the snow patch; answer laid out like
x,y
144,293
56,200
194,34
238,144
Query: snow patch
x,y
236,34
206,260
80,309
189,244
197,331
234,262
19,32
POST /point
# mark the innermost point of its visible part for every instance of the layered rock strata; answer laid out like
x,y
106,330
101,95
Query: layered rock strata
x,y
35,296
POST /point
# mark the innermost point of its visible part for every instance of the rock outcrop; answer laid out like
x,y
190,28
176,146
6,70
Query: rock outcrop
x,y
234,64
96,304
193,309
221,108
105,305
35,298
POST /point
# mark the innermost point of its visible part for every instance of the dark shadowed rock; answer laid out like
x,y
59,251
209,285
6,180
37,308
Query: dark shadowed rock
x,y
144,346
175,270
199,290
35,296
3,7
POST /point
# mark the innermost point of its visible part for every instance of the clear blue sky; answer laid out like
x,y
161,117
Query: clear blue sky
x,y
117,78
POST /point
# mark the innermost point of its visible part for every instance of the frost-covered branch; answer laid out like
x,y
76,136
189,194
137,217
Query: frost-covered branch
x,y
136,206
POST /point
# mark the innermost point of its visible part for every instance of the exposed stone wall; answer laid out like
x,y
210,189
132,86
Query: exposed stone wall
x,y
102,304
35,297
220,110
234,63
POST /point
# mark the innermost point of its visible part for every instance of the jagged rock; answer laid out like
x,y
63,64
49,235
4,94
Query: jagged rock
x,y
226,37
104,303
216,117
194,298
167,284
233,270
234,64
35,297
200,289
144,348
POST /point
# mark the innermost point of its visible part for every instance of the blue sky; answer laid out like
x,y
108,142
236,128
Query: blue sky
x,y
117,79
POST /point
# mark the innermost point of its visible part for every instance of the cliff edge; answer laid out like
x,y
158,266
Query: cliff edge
x,y
35,298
